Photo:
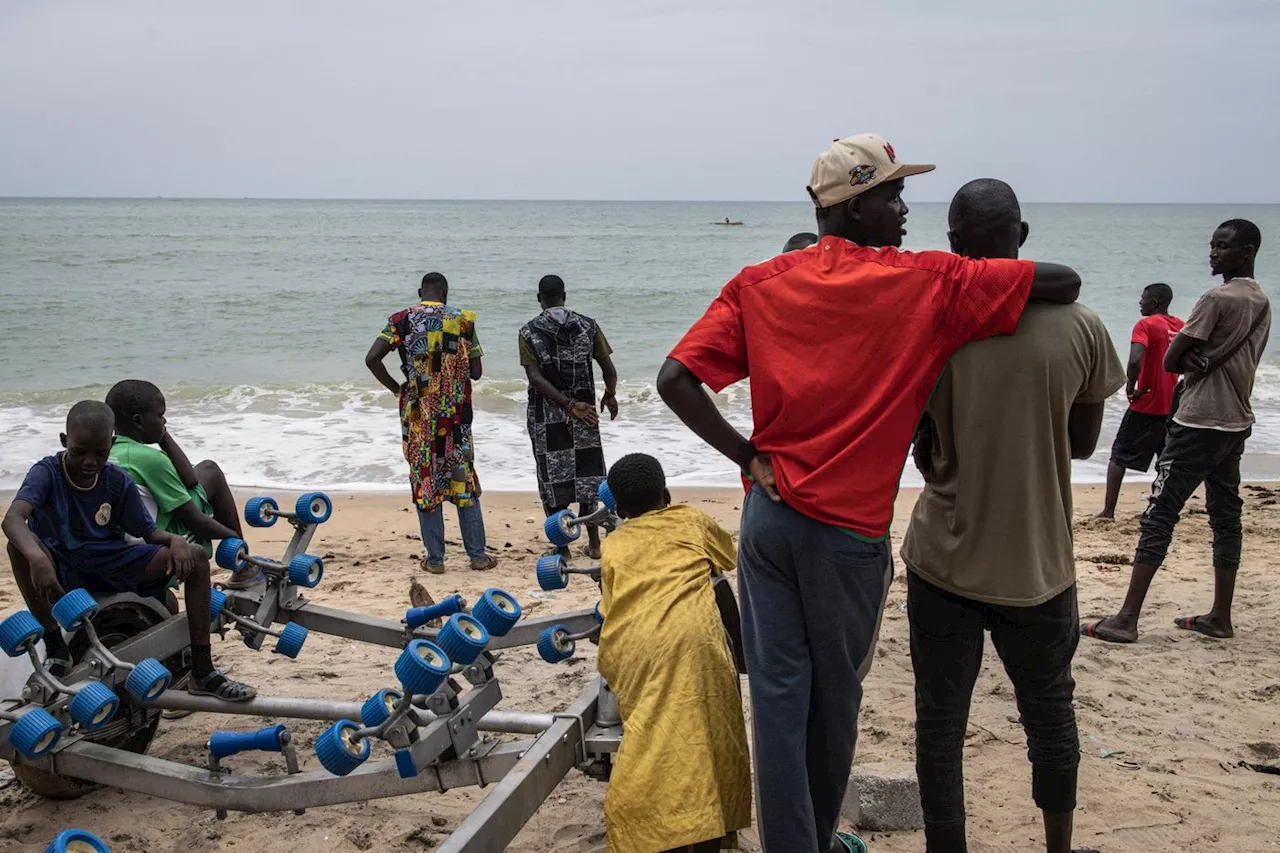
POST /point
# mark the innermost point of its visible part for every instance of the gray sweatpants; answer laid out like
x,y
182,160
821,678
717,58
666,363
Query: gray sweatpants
x,y
812,598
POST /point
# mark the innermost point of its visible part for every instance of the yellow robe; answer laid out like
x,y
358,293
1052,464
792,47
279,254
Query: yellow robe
x,y
683,772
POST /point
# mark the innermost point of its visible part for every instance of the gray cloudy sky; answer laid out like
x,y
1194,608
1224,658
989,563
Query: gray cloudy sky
x,y
1069,100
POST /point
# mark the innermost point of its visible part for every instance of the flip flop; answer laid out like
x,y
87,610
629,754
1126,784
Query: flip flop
x,y
853,843
1090,630
259,578
1193,623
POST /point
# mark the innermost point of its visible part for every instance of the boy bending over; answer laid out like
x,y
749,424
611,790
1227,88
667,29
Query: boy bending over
x,y
193,501
682,776
66,530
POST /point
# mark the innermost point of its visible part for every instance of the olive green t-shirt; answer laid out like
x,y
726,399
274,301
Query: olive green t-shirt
x,y
1224,315
994,521
151,468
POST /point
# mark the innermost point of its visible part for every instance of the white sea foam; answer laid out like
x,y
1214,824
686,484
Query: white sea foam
x,y
346,436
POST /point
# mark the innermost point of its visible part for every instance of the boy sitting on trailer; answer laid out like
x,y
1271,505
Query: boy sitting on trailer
x,y
193,501
682,775
66,529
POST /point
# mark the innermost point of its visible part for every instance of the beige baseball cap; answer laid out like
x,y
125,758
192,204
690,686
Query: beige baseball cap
x,y
854,165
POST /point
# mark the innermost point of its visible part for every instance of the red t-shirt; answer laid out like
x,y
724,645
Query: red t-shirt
x,y
1155,333
843,344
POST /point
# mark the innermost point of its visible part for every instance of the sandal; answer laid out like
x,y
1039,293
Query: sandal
x,y
433,568
853,843
217,685
243,584
484,565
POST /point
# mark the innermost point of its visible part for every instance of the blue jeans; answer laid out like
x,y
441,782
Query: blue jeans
x,y
470,519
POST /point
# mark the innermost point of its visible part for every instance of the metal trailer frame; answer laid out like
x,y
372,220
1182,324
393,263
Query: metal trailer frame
x,y
441,748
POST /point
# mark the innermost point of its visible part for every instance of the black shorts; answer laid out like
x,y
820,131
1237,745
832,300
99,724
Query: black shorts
x,y
1139,440
104,568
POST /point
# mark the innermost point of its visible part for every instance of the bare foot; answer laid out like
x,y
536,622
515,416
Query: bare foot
x,y
1109,630
591,552
1105,516
1206,625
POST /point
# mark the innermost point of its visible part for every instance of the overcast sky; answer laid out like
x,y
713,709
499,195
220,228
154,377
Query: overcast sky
x,y
1069,100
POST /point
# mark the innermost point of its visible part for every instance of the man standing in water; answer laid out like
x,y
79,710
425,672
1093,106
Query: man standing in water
x,y
989,547
556,351
834,413
1218,350
439,356
1149,389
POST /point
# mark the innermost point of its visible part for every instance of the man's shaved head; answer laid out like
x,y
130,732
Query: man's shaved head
x,y
985,220
91,418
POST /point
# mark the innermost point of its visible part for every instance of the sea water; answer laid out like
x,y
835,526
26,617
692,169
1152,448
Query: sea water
x,y
254,317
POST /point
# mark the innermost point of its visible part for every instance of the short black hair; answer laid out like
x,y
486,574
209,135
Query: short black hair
x,y
132,397
91,417
551,285
638,484
433,282
1246,232
985,204
1162,292
803,240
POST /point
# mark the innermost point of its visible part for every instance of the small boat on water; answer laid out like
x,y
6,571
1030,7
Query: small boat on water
x,y
728,221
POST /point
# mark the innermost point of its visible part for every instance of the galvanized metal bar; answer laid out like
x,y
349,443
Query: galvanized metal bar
x,y
499,817
195,786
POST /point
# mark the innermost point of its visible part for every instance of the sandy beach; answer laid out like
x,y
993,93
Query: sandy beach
x,y
1164,723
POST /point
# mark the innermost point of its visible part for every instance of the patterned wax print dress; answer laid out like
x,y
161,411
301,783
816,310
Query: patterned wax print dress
x,y
436,343
567,451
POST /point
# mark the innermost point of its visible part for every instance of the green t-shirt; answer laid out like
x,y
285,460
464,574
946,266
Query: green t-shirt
x,y
152,469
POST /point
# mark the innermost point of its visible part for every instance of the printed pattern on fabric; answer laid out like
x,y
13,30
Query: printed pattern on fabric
x,y
436,343
568,452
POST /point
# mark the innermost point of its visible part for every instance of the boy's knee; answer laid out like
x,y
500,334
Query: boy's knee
x,y
202,566
210,468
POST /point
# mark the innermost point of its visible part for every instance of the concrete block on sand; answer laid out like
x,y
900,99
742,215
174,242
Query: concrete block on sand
x,y
883,797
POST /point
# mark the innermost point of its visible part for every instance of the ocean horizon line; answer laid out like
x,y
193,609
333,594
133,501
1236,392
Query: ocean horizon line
x,y
414,200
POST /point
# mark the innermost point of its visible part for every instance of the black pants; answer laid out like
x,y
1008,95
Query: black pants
x,y
1036,645
1193,456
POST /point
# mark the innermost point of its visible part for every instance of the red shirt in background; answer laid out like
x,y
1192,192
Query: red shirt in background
x,y
843,344
1155,333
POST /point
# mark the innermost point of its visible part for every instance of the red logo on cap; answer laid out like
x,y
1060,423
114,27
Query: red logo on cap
x,y
888,149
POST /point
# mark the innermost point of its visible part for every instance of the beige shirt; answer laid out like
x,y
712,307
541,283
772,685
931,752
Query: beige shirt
x,y
1220,320
994,522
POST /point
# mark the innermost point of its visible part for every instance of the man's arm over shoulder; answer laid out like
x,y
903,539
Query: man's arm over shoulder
x,y
1055,283
1104,375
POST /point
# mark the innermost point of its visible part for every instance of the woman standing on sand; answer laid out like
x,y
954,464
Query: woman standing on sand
x,y
440,356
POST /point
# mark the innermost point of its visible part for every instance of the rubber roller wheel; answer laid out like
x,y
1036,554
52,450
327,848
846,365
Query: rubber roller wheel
x,y
217,601
462,639
599,617
260,512
605,494
148,680
18,631
554,644
77,841
551,573
94,706
313,508
422,667
231,553
74,609
306,570
35,733
338,751
377,709
498,611
290,641
558,530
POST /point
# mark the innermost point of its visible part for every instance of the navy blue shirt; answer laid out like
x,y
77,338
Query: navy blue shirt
x,y
66,518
